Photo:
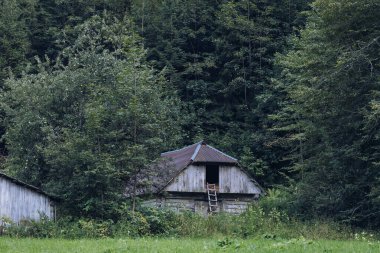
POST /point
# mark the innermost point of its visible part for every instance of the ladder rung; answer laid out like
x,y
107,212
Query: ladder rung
x,y
212,198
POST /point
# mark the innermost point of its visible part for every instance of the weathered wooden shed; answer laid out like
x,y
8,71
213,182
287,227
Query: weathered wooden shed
x,y
202,179
20,201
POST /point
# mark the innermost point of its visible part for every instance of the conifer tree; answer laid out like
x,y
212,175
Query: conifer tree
x,y
331,82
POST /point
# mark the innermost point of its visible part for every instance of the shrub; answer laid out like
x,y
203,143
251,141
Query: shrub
x,y
255,222
161,221
132,225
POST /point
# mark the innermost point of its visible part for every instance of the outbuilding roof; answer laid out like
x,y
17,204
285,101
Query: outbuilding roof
x,y
197,153
30,187
173,162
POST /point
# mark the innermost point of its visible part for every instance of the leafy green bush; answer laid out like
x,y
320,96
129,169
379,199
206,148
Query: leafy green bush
x,y
161,221
29,228
256,222
132,225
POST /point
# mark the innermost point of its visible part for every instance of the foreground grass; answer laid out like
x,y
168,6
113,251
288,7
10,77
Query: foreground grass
x,y
183,245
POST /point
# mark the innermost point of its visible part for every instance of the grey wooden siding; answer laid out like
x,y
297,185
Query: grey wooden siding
x,y
235,206
233,180
192,179
181,204
20,203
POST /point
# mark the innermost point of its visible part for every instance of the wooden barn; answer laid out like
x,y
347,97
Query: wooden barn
x,y
20,201
202,179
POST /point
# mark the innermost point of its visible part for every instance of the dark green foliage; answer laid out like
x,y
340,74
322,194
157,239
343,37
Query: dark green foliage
x,y
48,18
82,130
85,120
256,223
14,46
219,56
331,80
33,27
179,38
14,41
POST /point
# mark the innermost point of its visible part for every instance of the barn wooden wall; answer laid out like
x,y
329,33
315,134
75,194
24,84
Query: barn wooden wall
x,y
192,179
182,204
233,180
187,191
19,203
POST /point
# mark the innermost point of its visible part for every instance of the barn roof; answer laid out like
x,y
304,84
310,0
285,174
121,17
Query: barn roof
x,y
197,153
173,162
30,187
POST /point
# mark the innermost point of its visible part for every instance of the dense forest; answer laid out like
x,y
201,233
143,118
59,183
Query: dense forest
x,y
92,92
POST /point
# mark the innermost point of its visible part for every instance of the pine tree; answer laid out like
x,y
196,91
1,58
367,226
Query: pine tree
x,y
219,56
14,41
331,79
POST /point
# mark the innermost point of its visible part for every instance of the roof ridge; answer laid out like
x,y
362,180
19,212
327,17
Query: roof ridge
x,y
20,182
172,151
196,151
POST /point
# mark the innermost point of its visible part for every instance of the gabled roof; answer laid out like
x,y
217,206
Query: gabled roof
x,y
174,162
30,187
197,153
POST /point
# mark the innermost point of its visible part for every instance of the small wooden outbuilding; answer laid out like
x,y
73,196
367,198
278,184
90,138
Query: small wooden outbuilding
x,y
20,201
202,179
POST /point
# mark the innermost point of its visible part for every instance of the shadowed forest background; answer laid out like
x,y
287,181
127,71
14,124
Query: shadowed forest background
x,y
93,91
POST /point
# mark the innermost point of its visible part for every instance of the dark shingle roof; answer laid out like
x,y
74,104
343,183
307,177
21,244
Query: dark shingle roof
x,y
198,152
173,162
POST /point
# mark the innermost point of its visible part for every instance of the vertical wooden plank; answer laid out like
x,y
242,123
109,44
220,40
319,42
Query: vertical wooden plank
x,y
234,180
192,179
19,203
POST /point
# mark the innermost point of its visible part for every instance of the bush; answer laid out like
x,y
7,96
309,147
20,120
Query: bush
x,y
160,221
195,225
257,222
132,225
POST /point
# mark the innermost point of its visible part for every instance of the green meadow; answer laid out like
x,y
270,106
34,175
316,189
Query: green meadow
x,y
13,245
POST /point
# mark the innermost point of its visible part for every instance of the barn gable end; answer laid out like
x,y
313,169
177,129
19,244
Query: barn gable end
x,y
195,168
191,179
20,201
234,180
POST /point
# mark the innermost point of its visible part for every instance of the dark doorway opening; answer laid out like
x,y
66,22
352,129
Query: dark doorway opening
x,y
212,174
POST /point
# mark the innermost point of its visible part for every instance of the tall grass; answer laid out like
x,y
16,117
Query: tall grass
x,y
254,223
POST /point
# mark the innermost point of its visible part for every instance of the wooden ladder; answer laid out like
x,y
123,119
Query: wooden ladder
x,y
212,198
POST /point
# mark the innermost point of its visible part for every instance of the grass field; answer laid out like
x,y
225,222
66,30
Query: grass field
x,y
183,245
